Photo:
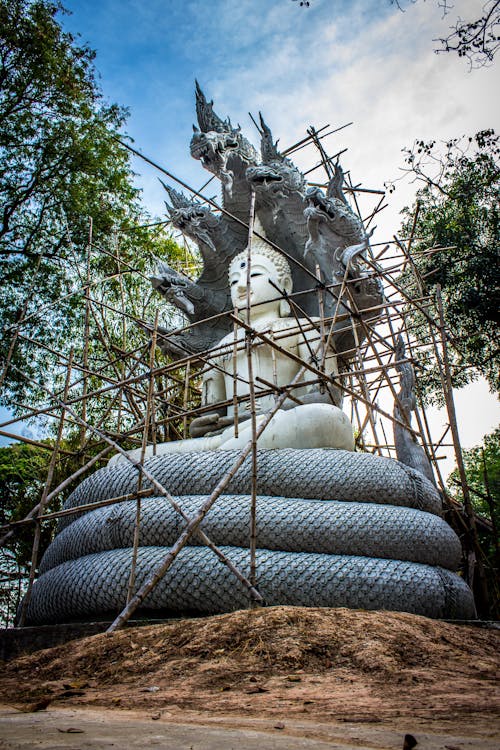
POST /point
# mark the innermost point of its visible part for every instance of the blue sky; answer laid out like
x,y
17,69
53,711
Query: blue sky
x,y
334,62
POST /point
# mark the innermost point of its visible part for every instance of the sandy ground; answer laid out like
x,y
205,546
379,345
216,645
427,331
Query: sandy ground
x,y
281,677
92,729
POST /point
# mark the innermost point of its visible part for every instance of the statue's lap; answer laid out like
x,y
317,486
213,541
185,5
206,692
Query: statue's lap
x,y
305,426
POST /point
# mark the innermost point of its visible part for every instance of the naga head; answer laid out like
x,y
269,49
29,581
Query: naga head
x,y
277,176
219,146
191,217
173,287
334,215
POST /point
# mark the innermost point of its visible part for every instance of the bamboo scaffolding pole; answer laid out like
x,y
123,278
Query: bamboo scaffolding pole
x,y
43,502
137,524
79,509
325,159
307,140
321,307
235,375
325,162
86,334
362,424
378,208
423,425
36,443
185,396
123,343
251,386
475,547
366,393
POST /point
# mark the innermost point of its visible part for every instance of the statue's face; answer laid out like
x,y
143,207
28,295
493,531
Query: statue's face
x,y
262,273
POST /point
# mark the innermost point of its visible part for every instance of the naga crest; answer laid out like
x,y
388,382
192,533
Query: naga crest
x,y
219,146
192,218
333,227
314,229
276,177
333,215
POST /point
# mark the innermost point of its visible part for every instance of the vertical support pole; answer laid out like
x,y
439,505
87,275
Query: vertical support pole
x,y
86,336
187,373
235,373
137,525
43,501
251,386
321,308
474,551
123,342
365,391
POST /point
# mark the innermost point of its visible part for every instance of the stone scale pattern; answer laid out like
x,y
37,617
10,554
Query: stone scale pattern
x,y
354,530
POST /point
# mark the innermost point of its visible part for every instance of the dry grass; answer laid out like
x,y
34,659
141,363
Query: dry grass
x,y
335,663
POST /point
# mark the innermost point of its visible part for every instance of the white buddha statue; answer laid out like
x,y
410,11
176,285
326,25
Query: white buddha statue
x,y
307,419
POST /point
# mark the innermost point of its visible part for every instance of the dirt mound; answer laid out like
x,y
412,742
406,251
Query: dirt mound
x,y
330,663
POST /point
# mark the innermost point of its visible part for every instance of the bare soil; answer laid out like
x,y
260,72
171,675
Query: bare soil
x,y
281,663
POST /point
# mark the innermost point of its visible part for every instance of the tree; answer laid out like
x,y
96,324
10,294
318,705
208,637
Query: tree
x,y
67,206
23,474
477,40
455,222
482,467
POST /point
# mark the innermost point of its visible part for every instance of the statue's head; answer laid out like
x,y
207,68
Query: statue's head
x,y
270,274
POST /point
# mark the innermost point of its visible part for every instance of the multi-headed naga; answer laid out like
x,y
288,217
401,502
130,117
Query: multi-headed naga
x,y
321,236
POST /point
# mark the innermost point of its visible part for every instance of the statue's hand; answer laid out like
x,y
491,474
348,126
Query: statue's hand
x,y
209,423
201,425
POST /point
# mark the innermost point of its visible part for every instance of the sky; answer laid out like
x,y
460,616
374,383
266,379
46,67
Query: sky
x,y
336,62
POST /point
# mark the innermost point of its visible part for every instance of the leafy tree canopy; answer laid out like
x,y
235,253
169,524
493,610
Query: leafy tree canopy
x,y
68,207
482,468
456,247
23,474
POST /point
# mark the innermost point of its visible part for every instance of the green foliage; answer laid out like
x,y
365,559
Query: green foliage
x,y
23,471
482,468
66,193
458,210
23,475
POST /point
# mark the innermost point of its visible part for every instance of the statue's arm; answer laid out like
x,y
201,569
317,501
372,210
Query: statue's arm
x,y
310,351
213,393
